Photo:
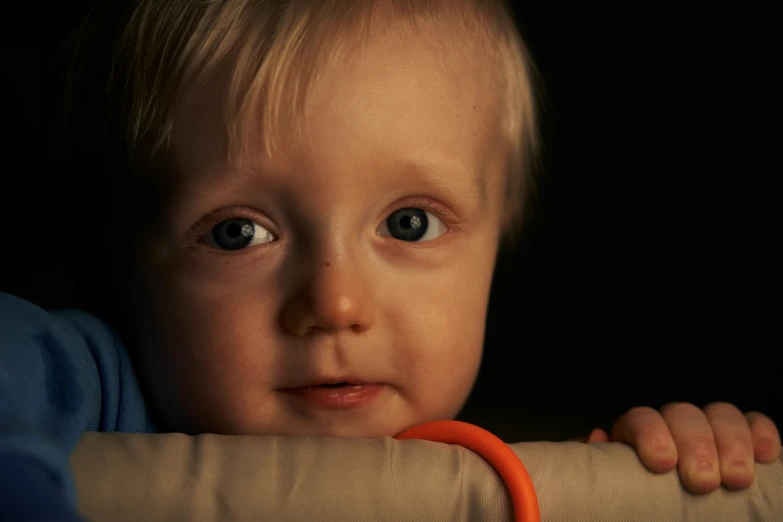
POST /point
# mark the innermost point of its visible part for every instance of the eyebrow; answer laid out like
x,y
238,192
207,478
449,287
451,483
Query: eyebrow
x,y
448,176
433,172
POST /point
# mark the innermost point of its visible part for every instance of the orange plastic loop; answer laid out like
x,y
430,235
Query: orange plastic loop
x,y
524,501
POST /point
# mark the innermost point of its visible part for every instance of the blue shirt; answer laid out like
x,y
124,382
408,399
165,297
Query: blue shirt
x,y
61,373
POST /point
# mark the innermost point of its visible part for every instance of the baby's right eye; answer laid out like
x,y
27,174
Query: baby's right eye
x,y
236,234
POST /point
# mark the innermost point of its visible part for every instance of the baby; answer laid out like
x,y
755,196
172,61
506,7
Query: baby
x,y
303,202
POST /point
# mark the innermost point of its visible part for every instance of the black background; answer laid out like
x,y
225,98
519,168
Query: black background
x,y
622,290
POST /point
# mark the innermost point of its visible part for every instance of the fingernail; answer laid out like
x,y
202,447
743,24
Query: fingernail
x,y
704,469
664,448
739,464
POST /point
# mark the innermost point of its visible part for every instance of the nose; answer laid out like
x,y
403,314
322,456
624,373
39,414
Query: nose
x,y
333,297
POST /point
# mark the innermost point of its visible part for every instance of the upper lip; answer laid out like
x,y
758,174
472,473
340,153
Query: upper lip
x,y
348,379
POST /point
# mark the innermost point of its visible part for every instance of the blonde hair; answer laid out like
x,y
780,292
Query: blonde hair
x,y
268,49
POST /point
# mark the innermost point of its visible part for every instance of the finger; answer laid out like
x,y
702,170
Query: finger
x,y
734,443
597,435
698,456
645,429
765,436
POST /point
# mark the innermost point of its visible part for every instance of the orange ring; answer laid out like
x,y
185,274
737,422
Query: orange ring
x,y
524,501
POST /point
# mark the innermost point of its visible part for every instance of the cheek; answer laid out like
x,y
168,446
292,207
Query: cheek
x,y
443,321
213,354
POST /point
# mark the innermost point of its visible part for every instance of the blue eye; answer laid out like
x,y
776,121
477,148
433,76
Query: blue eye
x,y
412,225
237,233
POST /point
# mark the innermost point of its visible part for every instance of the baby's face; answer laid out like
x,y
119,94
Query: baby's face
x,y
362,254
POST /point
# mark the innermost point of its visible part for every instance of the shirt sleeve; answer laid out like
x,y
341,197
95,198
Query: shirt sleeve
x,y
61,374
27,492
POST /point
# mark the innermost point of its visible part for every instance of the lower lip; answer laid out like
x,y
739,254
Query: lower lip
x,y
350,396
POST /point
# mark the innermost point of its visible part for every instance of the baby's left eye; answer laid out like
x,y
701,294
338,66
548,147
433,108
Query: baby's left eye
x,y
413,225
236,234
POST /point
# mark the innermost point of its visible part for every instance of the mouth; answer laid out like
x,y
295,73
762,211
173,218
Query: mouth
x,y
337,394
329,382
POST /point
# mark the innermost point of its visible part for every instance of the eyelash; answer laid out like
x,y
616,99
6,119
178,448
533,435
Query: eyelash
x,y
441,211
210,220
213,218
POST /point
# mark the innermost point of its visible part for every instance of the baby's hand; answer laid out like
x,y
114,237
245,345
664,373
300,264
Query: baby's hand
x,y
710,447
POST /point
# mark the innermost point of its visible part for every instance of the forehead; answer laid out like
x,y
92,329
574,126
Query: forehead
x,y
411,91
421,96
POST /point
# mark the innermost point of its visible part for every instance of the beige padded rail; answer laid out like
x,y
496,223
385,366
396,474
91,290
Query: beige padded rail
x,y
174,477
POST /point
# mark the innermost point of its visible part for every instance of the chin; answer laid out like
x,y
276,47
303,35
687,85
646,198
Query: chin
x,y
339,426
